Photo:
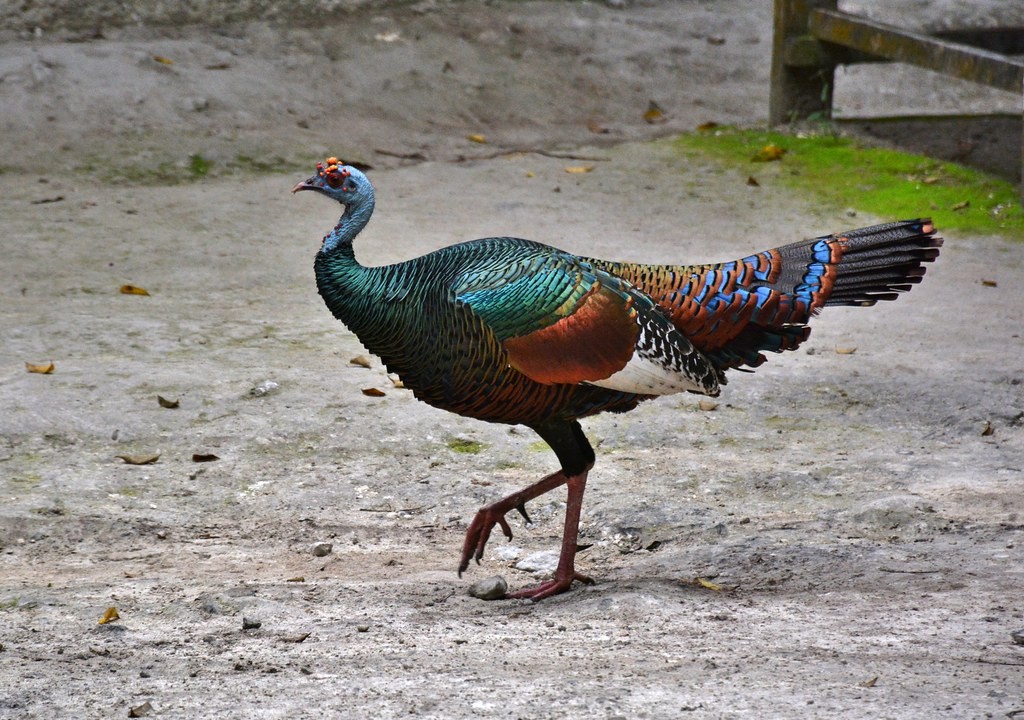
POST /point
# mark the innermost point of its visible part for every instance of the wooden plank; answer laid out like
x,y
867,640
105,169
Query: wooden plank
x,y
914,48
1002,40
797,91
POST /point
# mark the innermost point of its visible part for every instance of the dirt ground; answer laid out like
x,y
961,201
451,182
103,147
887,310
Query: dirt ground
x,y
840,537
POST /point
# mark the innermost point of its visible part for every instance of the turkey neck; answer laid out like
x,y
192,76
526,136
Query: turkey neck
x,y
355,294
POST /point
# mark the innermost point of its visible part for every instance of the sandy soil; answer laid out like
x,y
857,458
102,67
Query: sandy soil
x,y
859,513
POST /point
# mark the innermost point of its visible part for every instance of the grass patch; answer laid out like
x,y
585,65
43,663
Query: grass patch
x,y
845,173
192,168
469,447
198,166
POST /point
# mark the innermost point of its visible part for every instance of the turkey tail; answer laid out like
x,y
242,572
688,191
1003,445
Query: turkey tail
x,y
735,311
882,261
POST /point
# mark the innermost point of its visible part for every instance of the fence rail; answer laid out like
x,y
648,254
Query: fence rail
x,y
812,37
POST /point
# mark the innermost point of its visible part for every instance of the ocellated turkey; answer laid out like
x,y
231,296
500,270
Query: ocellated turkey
x,y
512,331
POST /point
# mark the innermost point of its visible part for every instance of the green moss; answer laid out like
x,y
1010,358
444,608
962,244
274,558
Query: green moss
x,y
25,482
470,447
845,173
198,166
176,171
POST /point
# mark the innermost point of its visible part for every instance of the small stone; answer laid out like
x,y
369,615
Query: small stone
x,y
544,561
321,549
492,588
1018,636
362,628
507,553
250,623
264,388
140,710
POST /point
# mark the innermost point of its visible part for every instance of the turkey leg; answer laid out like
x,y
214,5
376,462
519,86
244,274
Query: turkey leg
x,y
487,517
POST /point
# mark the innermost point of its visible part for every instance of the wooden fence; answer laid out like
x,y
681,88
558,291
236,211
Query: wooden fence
x,y
812,37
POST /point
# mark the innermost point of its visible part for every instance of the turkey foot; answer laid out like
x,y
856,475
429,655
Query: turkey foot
x,y
551,587
487,517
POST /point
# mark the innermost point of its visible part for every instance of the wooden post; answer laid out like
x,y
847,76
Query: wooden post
x,y
802,74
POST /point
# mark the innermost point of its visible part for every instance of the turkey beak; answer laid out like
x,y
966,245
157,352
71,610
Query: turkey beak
x,y
304,185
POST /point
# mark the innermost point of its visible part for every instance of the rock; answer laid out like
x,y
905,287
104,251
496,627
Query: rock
x,y
321,549
264,388
507,553
492,588
539,562
251,623
1018,636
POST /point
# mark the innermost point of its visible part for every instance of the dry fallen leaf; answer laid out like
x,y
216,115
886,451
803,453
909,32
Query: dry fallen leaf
x,y
840,350
962,205
706,126
396,381
654,114
133,290
870,683
204,457
707,584
373,392
163,60
579,169
987,430
109,616
165,403
295,638
42,369
596,127
360,360
752,181
477,138
769,153
989,283
707,405
296,579
146,459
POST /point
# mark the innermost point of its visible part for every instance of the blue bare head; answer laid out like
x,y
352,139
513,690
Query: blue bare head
x,y
344,183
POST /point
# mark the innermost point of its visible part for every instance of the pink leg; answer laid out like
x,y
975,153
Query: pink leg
x,y
566,571
487,517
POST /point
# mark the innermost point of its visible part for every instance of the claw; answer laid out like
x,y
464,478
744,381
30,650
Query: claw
x,y
521,507
479,533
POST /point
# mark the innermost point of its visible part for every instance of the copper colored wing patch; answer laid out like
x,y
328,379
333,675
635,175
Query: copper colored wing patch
x,y
593,343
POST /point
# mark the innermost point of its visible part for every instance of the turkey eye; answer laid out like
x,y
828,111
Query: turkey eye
x,y
334,180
